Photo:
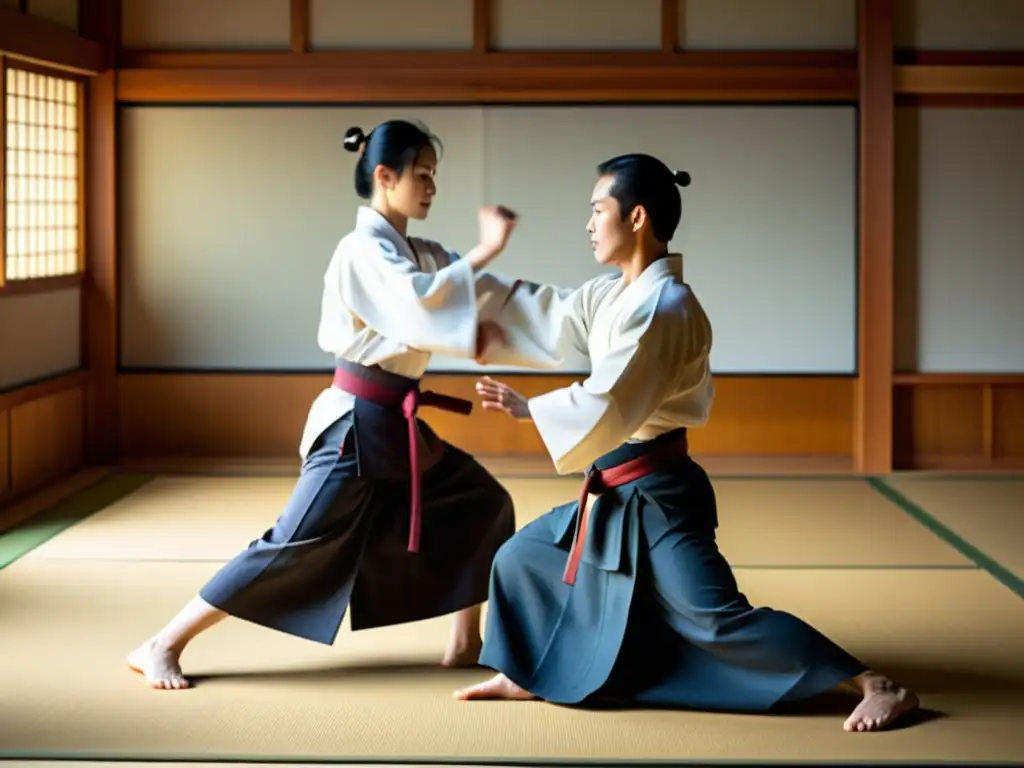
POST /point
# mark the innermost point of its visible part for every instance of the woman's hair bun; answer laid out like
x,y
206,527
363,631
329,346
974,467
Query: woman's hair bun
x,y
354,139
682,178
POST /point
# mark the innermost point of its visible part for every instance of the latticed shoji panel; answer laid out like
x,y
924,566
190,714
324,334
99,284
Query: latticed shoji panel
x,y
42,167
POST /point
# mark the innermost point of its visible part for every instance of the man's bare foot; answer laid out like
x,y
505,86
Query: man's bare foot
x,y
884,702
462,653
159,665
498,687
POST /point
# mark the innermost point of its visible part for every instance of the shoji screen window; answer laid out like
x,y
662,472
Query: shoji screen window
x,y
42,174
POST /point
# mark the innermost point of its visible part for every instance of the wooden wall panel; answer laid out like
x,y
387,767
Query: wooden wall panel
x,y
42,458
958,422
41,434
5,454
1008,419
46,440
261,416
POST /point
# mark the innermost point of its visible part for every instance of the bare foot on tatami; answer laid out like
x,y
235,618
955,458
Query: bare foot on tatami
x,y
462,653
158,665
883,704
498,687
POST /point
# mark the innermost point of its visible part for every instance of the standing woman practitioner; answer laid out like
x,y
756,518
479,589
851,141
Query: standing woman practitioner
x,y
385,516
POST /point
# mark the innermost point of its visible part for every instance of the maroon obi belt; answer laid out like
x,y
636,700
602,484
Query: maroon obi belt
x,y
392,391
663,455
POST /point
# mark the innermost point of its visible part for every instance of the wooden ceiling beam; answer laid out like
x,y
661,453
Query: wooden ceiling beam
x,y
492,80
40,41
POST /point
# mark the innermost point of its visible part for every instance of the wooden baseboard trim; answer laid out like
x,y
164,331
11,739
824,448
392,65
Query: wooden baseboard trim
x,y
973,464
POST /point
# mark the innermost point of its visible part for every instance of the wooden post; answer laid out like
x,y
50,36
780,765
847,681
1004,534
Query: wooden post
x,y
873,427
100,21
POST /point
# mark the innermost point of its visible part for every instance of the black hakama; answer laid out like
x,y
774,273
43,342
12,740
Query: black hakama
x,y
655,616
343,539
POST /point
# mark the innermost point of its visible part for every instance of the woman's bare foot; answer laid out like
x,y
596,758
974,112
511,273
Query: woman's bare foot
x,y
159,665
157,658
883,704
498,687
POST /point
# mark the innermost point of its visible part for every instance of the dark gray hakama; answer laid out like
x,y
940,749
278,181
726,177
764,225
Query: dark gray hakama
x,y
342,540
655,617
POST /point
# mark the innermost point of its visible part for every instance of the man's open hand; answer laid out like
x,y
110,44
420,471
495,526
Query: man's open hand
x,y
501,397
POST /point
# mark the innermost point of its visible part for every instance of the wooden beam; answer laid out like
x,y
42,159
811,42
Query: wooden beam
x,y
873,428
909,56
483,20
964,79
669,26
959,78
41,41
300,26
100,19
958,379
135,58
960,100
518,83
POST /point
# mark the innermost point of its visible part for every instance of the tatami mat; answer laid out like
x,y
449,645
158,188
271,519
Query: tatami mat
x,y
763,522
987,512
380,695
822,523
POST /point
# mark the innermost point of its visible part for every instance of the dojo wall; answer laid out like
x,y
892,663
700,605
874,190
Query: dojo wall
x,y
788,386
42,385
769,225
